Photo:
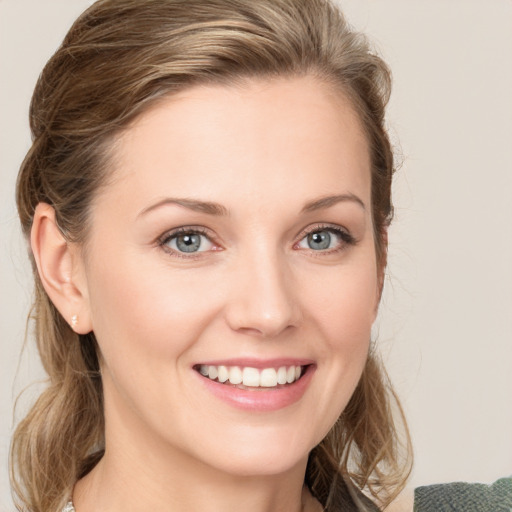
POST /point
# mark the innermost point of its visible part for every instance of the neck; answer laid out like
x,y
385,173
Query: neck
x,y
139,473
110,487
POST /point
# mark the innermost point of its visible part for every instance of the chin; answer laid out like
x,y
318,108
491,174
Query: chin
x,y
263,466
268,453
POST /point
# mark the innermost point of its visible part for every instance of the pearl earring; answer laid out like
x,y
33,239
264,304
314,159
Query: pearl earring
x,y
74,321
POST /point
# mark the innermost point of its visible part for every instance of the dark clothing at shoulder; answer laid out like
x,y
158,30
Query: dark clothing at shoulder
x,y
346,497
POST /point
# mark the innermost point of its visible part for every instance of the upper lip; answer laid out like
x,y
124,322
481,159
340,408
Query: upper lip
x,y
248,362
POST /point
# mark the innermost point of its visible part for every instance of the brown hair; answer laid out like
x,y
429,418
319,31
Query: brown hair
x,y
118,59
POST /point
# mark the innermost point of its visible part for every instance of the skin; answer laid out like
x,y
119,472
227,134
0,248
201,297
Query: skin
x,y
263,151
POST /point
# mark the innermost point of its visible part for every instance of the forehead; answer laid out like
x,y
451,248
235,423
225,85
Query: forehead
x,y
257,137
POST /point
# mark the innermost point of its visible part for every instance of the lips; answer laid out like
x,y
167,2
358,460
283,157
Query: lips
x,y
257,385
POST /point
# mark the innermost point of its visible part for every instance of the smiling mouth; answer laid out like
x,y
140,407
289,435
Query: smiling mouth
x,y
252,378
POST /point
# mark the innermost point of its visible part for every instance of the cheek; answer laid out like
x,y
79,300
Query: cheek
x,y
344,316
152,313
345,305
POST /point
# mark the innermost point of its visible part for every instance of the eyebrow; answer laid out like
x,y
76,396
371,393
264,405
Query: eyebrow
x,y
328,201
192,204
212,208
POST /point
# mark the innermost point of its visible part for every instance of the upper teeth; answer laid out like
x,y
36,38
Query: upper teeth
x,y
252,377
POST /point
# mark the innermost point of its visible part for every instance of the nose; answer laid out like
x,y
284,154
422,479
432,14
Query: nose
x,y
263,297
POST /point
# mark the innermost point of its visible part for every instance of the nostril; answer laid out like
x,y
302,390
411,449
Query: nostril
x,y
268,331
250,331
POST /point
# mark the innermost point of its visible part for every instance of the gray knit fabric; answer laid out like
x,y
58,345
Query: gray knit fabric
x,y
464,497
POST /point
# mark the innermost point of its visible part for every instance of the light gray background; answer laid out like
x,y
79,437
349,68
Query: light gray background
x,y
445,327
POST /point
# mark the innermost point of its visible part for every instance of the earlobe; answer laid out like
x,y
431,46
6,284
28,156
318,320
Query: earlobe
x,y
59,267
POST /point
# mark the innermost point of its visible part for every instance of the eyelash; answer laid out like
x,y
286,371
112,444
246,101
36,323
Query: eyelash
x,y
346,238
167,237
344,235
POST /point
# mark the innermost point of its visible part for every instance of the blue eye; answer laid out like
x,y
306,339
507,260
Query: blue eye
x,y
319,241
188,242
325,239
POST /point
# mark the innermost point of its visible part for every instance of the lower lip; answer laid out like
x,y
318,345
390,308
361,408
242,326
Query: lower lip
x,y
260,399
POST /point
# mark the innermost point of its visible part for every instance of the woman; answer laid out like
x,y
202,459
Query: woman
x,y
207,200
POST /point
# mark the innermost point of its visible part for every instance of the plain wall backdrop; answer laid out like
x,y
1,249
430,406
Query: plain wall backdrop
x,y
445,327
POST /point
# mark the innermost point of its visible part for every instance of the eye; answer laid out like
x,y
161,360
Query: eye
x,y
187,241
326,239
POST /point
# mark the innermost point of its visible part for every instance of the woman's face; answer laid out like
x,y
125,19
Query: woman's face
x,y
234,241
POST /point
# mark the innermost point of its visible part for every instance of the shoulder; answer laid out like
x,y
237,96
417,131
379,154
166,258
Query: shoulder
x,y
456,497
462,496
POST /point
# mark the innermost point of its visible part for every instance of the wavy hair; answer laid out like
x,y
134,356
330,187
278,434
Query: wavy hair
x,y
117,60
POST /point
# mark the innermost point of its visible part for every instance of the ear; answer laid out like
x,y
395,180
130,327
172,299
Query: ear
x,y
60,268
